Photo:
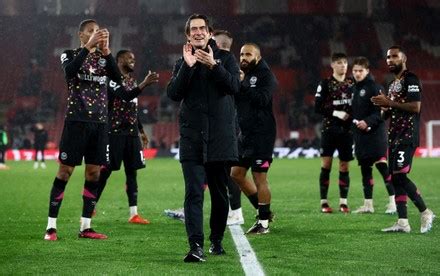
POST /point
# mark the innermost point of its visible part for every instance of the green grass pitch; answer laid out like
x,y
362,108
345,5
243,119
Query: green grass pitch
x,y
302,240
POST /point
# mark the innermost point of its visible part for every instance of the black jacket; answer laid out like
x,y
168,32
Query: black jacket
x,y
40,138
207,109
371,143
255,115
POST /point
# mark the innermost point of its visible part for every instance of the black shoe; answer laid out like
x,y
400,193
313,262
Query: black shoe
x,y
258,229
271,216
216,248
195,255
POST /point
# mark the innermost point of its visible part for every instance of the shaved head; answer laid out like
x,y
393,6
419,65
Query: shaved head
x,y
223,39
255,47
250,55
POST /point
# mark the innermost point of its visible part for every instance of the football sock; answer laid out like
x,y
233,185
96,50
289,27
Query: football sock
x,y
368,203
402,221
367,181
234,194
344,184
264,222
131,187
56,197
89,198
263,211
51,223
401,199
384,171
411,191
392,198
133,211
254,200
103,177
324,181
85,223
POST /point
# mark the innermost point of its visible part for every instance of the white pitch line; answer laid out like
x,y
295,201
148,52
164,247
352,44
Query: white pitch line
x,y
248,259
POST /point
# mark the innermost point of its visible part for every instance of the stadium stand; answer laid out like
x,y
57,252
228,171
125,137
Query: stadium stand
x,y
296,37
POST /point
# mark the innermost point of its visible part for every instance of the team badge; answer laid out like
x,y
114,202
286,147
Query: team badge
x,y
362,92
63,58
397,86
318,91
102,62
253,80
63,156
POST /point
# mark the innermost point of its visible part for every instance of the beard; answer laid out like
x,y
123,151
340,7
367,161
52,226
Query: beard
x,y
128,68
246,67
396,69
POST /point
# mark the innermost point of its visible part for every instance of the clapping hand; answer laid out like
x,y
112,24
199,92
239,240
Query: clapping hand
x,y
188,56
241,75
206,58
105,43
151,78
381,100
95,39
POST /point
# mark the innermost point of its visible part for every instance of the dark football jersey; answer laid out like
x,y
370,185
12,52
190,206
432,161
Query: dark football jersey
x,y
87,79
123,113
332,95
404,126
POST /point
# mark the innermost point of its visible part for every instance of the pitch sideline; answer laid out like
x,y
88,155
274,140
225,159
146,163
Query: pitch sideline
x,y
248,259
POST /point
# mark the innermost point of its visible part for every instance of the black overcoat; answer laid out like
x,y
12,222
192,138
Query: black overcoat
x,y
371,143
207,109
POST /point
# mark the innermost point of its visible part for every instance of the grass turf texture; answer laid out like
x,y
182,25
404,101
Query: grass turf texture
x,y
302,240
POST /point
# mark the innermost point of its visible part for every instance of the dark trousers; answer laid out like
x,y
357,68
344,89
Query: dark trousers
x,y
2,154
216,174
36,154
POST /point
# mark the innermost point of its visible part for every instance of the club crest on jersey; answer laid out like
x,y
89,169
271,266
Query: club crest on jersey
x,y
396,86
63,58
63,156
318,91
253,81
362,92
102,62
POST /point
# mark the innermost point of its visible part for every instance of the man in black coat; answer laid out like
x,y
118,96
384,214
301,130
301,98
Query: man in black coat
x,y
40,141
257,132
369,135
204,80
